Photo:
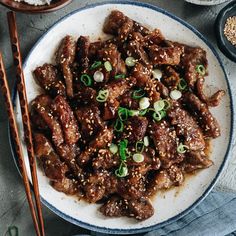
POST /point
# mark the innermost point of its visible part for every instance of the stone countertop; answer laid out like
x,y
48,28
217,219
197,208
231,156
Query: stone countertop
x,y
13,205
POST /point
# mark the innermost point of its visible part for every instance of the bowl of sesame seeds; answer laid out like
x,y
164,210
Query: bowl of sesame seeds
x,y
225,28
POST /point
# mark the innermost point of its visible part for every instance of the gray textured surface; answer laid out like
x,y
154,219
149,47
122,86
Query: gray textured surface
x,y
13,205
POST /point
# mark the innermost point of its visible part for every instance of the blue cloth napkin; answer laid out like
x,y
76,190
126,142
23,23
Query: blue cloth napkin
x,y
214,216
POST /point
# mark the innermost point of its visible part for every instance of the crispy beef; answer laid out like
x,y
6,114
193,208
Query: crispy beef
x,y
65,57
49,79
209,124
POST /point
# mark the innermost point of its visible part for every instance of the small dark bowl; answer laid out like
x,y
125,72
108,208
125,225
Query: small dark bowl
x,y
26,8
225,46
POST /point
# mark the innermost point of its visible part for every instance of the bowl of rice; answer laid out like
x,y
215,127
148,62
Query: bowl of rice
x,y
35,6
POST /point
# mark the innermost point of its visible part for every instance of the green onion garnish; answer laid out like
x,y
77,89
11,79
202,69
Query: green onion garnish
x,y
86,80
144,103
157,116
138,94
13,231
159,105
95,65
143,112
175,94
133,112
201,69
138,157
108,66
146,141
182,148
122,171
182,84
122,149
120,76
119,126
113,148
123,113
102,95
157,74
167,104
130,61
139,147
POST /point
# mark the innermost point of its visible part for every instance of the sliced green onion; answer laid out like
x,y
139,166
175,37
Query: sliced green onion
x,y
113,148
98,76
138,157
182,148
144,103
108,66
139,147
157,74
102,95
120,76
182,84
123,113
167,104
159,105
119,126
133,112
143,112
13,231
158,116
175,94
122,149
146,141
86,80
138,94
130,61
201,69
95,65
122,171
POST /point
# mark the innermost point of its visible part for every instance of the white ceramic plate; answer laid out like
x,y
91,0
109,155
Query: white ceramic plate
x,y
176,202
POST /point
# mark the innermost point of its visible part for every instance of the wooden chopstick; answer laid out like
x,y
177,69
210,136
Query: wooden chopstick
x,y
15,135
24,111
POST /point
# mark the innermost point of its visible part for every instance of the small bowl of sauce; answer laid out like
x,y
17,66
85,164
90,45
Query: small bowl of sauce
x,y
35,6
225,29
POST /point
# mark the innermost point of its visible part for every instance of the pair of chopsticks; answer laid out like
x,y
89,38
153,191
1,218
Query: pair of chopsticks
x,y
37,217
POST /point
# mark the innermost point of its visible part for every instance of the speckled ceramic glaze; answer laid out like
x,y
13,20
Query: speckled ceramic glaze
x,y
206,2
168,205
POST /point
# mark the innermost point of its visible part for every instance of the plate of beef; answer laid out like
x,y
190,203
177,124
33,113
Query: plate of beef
x,y
131,114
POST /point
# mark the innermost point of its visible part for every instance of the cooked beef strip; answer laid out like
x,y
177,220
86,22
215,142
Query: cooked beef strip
x,y
187,127
135,129
101,140
82,52
136,50
165,55
114,207
42,105
142,74
171,78
111,54
154,37
195,161
190,59
67,119
213,100
116,89
48,78
127,101
105,160
65,58
209,124
89,120
165,141
84,96
54,169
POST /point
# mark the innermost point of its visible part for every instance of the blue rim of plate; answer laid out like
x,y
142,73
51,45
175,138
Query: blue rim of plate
x,y
207,191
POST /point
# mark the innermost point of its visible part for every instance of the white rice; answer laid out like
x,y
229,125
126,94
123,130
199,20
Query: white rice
x,y
35,2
